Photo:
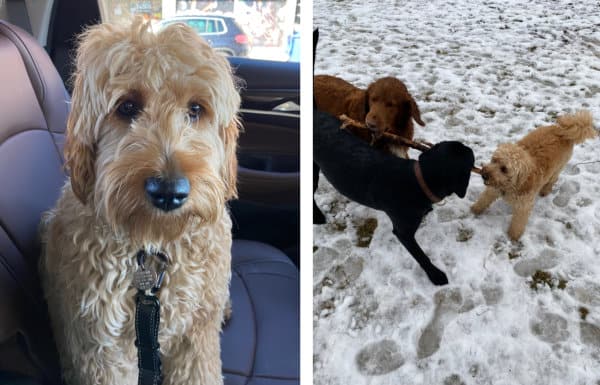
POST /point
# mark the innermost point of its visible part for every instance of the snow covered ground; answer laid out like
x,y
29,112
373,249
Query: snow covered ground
x,y
482,72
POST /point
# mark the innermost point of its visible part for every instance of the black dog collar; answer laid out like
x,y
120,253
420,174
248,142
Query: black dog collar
x,y
419,175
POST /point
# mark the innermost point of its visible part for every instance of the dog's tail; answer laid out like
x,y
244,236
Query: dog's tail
x,y
577,127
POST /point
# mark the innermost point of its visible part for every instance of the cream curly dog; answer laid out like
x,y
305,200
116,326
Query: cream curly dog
x,y
150,148
520,171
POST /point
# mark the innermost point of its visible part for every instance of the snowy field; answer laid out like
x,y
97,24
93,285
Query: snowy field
x,y
482,72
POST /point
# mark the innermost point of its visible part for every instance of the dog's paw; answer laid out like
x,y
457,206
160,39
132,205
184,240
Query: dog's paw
x,y
515,234
437,277
477,209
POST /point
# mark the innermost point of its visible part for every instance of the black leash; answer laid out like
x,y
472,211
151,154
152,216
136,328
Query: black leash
x,y
147,317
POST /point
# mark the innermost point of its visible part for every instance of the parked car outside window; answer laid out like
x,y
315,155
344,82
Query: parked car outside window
x,y
221,32
262,30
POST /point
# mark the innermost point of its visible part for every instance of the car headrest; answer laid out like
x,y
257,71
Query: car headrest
x,y
21,55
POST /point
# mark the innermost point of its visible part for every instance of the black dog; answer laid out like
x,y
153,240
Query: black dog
x,y
388,183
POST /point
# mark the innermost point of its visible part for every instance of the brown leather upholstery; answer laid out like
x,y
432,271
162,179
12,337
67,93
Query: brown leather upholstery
x,y
33,112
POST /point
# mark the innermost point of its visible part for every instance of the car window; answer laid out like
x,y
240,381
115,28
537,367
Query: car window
x,y
220,27
211,26
198,25
267,29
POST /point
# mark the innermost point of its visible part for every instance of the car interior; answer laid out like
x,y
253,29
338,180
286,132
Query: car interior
x,y
260,343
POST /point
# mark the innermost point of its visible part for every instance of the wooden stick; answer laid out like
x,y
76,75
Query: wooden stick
x,y
395,139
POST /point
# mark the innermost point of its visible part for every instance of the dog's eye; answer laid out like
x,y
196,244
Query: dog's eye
x,y
128,109
504,169
195,111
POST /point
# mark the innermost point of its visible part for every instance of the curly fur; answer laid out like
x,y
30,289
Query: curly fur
x,y
103,216
519,172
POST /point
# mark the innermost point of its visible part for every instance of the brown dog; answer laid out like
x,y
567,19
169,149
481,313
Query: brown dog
x,y
385,106
520,171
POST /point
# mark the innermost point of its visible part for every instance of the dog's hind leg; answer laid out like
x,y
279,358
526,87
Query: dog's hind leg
x,y
487,197
547,189
407,237
318,217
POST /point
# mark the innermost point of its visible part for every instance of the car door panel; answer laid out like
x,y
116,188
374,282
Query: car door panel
x,y
269,151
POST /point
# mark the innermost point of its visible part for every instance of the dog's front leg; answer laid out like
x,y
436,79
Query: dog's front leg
x,y
406,236
196,358
487,197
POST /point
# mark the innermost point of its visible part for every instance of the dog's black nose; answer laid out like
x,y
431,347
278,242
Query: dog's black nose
x,y
167,193
484,175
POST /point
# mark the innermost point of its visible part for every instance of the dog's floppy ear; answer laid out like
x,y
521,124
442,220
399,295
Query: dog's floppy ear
x,y
357,104
464,163
415,113
229,168
79,144
462,183
79,161
86,107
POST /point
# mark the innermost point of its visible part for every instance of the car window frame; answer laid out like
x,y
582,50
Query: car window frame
x,y
206,18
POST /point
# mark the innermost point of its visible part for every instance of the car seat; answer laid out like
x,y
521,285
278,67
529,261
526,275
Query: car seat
x,y
260,343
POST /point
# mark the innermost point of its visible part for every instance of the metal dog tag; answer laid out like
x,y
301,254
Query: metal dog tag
x,y
144,279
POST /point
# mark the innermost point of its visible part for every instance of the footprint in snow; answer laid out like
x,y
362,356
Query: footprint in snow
x,y
547,259
379,358
565,192
346,273
594,168
453,379
590,334
572,170
446,214
323,258
448,303
586,292
550,327
492,293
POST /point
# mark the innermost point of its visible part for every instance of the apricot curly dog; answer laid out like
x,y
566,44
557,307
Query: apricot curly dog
x,y
150,148
520,171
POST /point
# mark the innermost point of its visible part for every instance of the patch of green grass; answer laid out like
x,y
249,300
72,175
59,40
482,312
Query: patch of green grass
x,y
364,232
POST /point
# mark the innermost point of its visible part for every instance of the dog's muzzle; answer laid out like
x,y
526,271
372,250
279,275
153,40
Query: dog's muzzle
x,y
485,176
167,194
